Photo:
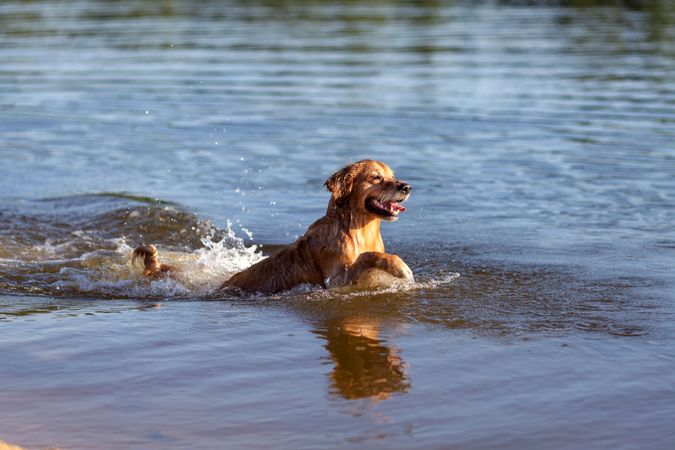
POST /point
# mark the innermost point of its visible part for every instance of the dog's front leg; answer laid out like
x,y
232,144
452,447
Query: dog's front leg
x,y
391,264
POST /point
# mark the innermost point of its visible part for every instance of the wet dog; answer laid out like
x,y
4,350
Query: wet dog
x,y
344,247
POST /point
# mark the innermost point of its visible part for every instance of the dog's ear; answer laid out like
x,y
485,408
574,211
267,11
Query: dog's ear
x,y
340,184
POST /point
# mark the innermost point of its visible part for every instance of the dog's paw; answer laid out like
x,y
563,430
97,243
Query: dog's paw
x,y
401,269
408,274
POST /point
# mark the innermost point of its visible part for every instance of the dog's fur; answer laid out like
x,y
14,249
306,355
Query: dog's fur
x,y
339,249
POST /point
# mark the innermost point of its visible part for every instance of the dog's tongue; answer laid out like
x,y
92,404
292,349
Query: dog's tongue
x,y
396,207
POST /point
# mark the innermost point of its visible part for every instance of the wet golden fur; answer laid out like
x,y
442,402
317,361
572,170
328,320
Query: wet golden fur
x,y
339,249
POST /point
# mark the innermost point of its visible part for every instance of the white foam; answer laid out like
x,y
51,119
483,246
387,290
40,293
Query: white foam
x,y
110,273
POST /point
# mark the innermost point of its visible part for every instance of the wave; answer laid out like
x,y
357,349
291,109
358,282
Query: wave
x,y
81,246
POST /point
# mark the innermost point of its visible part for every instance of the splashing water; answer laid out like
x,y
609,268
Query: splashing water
x,y
200,272
79,254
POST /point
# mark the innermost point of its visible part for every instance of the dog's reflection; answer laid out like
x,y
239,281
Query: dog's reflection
x,y
365,365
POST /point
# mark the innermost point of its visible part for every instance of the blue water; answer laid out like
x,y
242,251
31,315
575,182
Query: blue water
x,y
538,140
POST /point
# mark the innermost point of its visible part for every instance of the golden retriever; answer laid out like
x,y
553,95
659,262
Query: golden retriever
x,y
343,247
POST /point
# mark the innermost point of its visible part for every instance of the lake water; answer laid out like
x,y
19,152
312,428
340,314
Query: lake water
x,y
540,141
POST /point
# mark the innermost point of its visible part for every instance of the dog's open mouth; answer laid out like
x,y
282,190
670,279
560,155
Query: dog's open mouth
x,y
384,208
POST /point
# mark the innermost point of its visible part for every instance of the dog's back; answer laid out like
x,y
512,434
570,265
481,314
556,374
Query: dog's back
x,y
289,267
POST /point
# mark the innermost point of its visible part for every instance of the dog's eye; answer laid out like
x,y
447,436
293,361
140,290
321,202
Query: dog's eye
x,y
376,177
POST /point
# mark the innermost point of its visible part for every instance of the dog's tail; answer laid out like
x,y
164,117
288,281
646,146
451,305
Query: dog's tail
x,y
151,266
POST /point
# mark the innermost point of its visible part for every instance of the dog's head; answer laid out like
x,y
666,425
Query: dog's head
x,y
368,187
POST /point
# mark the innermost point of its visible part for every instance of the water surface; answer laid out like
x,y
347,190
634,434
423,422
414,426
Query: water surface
x,y
538,139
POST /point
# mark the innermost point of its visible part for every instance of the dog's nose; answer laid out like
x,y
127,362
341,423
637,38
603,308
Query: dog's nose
x,y
405,187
